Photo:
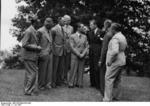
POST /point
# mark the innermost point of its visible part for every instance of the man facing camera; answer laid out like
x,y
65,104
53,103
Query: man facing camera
x,y
95,41
68,29
45,57
79,49
30,50
59,53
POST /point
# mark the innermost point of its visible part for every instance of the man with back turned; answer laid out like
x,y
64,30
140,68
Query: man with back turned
x,y
115,61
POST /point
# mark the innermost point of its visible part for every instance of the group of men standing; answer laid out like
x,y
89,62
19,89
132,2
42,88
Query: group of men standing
x,y
55,55
107,58
50,52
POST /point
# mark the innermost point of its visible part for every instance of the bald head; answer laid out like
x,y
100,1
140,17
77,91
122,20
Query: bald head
x,y
61,21
48,23
115,27
48,20
67,19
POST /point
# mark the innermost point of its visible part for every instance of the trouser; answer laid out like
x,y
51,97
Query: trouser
x,y
112,82
94,70
58,69
76,72
67,67
31,77
102,71
45,65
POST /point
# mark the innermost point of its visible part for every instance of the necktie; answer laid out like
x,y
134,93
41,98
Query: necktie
x,y
48,31
63,34
62,30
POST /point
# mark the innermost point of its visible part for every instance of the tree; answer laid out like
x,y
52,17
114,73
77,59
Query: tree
x,y
131,14
134,18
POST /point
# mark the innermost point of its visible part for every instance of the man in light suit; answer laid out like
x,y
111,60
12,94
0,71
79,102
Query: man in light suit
x,y
115,61
30,50
59,52
45,57
68,29
79,47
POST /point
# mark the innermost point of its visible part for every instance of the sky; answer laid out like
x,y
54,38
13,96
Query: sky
x,y
8,11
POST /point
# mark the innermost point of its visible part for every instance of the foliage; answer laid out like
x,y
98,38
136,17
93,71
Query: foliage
x,y
13,60
133,15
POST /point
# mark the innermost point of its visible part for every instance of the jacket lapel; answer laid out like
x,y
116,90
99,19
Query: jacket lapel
x,y
78,39
34,33
47,35
59,30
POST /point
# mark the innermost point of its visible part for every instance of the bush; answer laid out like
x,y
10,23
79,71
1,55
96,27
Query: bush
x,y
13,60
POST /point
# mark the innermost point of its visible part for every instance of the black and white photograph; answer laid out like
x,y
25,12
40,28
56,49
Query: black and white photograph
x,y
74,51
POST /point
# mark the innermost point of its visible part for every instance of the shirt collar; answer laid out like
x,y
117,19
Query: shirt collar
x,y
78,34
59,26
32,28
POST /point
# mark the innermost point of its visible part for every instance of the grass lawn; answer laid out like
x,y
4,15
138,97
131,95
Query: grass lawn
x,y
11,89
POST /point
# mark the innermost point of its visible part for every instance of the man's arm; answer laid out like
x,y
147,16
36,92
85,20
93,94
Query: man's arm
x,y
104,48
74,50
114,51
86,48
26,44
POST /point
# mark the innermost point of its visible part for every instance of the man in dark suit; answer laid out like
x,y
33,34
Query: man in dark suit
x,y
95,41
45,57
29,54
59,52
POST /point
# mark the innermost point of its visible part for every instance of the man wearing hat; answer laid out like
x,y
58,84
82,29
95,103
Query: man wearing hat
x,y
45,57
30,50
68,29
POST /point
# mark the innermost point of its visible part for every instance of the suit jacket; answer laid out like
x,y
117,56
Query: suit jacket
x,y
29,44
68,29
95,39
116,48
59,40
104,48
78,43
45,41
